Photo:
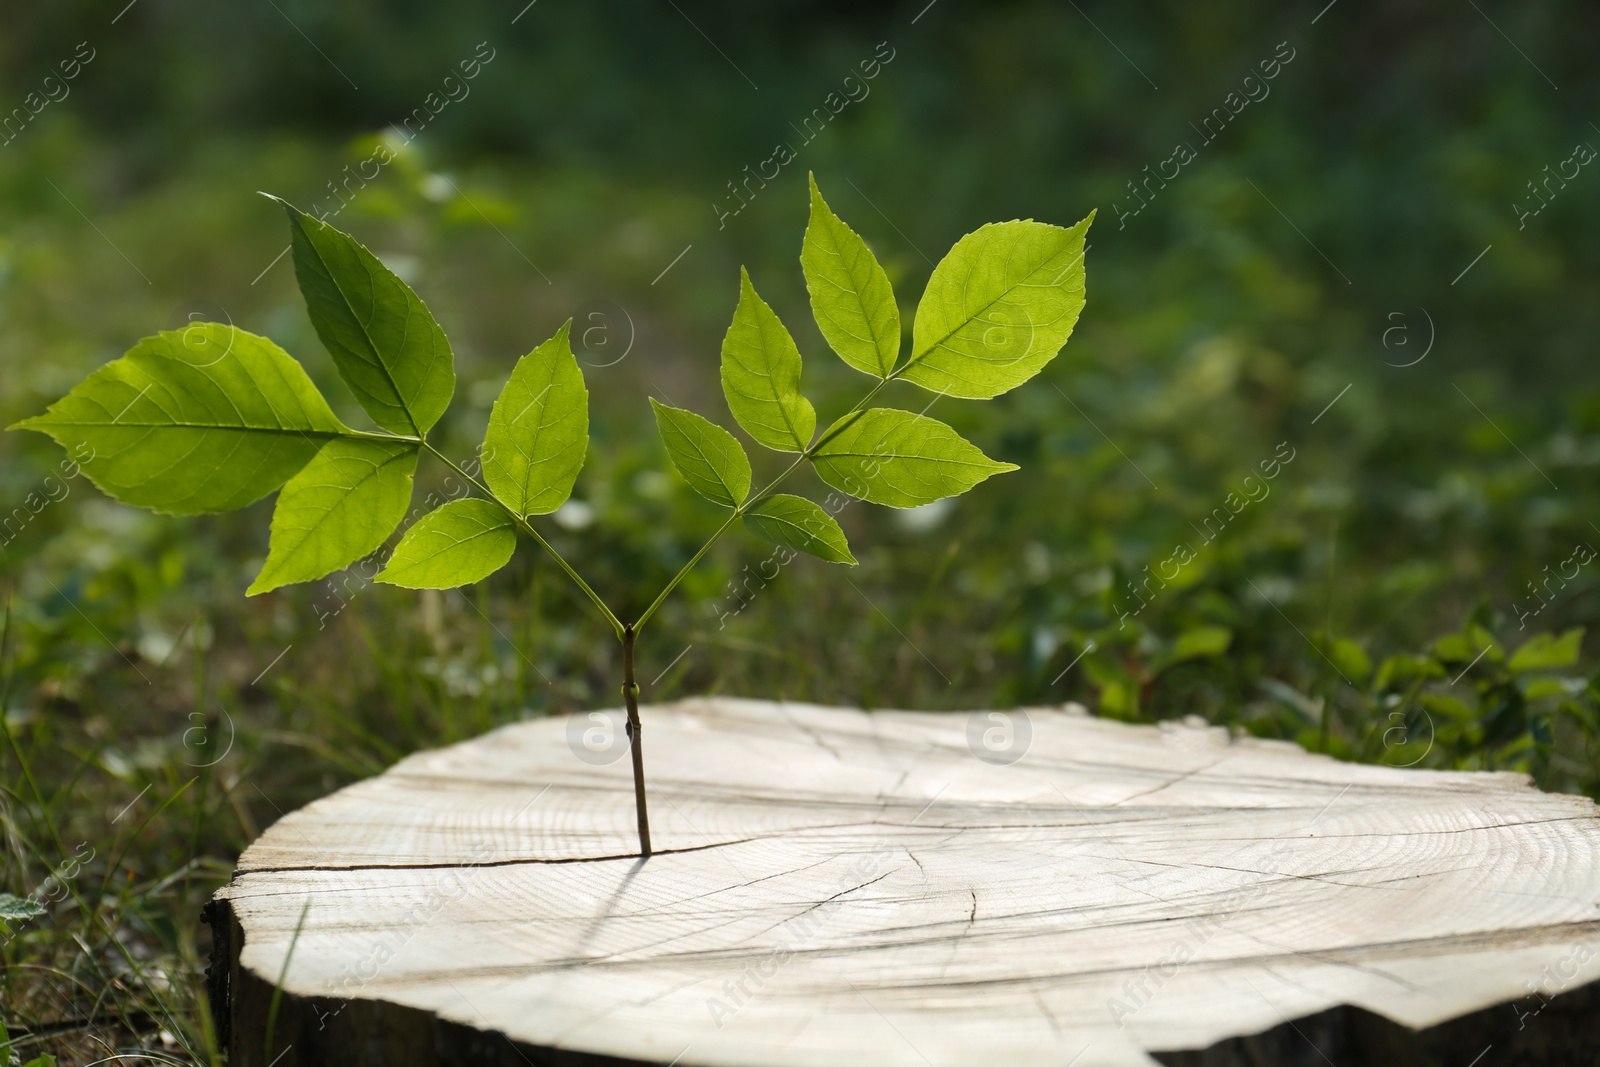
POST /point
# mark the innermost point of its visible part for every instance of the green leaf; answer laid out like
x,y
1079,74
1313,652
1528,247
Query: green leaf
x,y
342,505
709,457
1351,659
209,418
1470,647
1200,642
17,909
903,460
761,375
1544,686
1402,668
539,430
1119,699
459,543
800,524
998,308
387,346
1447,706
851,298
1546,652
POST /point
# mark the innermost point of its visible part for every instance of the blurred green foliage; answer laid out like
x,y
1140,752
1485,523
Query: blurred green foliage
x,y
1400,592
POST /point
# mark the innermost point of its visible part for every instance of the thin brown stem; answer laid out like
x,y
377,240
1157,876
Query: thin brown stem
x,y
526,527
630,694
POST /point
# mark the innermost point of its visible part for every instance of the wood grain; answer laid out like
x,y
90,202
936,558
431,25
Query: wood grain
x,y
835,887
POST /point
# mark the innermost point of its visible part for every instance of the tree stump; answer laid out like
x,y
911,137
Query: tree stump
x,y
910,889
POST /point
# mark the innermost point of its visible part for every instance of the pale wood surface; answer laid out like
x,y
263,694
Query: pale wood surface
x,y
884,897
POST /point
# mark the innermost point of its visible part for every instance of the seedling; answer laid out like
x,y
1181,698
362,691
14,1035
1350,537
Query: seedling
x,y
211,417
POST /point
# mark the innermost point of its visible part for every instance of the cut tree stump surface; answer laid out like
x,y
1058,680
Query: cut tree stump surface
x,y
835,887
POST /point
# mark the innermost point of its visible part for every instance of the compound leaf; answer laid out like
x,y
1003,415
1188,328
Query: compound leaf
x,y
539,430
386,344
893,457
459,543
208,418
761,375
342,505
709,457
998,307
800,524
851,298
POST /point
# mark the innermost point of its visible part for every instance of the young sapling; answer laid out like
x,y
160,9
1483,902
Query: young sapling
x,y
212,417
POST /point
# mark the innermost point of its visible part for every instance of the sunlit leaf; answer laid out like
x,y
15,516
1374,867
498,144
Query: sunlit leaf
x,y
709,457
761,375
851,298
998,307
800,524
385,342
1202,641
341,506
903,460
462,542
1351,659
1475,645
1546,652
539,430
1119,699
208,418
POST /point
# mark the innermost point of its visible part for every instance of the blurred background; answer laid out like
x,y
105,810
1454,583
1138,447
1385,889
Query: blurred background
x,y
1373,273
